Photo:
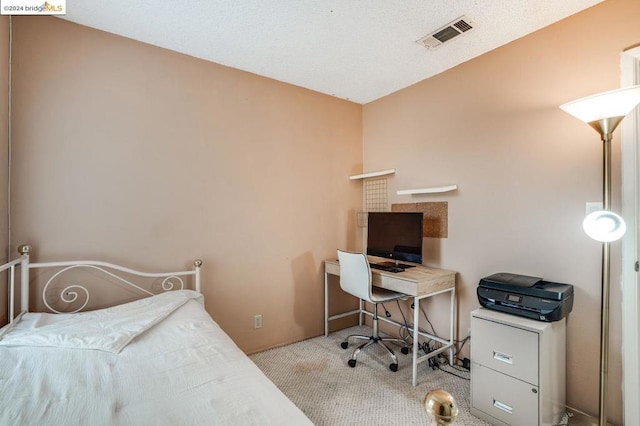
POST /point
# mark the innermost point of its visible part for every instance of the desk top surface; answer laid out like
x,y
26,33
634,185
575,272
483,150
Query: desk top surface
x,y
417,281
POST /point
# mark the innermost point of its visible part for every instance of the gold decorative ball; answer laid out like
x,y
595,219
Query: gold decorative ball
x,y
441,408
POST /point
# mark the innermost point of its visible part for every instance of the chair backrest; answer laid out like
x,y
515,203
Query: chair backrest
x,y
355,274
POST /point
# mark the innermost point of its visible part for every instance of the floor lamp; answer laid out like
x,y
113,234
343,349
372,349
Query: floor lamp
x,y
604,112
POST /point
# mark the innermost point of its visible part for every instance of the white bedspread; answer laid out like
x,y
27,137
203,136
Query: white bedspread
x,y
183,370
108,329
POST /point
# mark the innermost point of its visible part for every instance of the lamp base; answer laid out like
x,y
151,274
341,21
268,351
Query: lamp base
x,y
440,406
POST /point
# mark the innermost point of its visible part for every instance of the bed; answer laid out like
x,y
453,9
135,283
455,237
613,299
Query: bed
x,y
157,360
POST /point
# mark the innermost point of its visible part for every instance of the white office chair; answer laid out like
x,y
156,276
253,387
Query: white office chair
x,y
355,279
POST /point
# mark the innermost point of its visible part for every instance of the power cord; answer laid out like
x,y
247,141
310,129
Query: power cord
x,y
428,321
456,341
405,333
386,311
462,343
431,345
440,367
406,337
565,420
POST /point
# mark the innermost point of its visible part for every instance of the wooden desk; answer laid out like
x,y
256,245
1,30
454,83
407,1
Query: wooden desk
x,y
419,282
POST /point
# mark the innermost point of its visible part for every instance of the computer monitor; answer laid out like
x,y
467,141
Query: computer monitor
x,y
396,236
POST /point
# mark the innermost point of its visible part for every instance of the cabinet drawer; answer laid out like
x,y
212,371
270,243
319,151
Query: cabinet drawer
x,y
509,400
509,350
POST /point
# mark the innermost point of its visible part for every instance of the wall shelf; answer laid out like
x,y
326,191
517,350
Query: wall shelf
x,y
373,174
432,190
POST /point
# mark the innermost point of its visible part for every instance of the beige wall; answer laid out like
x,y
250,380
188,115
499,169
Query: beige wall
x,y
4,151
525,170
123,150
126,150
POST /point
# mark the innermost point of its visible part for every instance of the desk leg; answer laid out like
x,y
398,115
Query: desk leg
x,y
452,328
416,319
326,304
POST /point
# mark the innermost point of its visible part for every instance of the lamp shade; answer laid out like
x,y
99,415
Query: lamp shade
x,y
615,103
604,226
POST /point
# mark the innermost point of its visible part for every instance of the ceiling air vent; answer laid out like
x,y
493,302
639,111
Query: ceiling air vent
x,y
442,35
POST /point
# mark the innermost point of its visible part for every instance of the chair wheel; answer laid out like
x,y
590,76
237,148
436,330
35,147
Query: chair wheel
x,y
393,367
404,350
344,345
352,363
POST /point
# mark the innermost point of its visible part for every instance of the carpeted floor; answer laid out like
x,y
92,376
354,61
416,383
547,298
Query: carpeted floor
x,y
314,374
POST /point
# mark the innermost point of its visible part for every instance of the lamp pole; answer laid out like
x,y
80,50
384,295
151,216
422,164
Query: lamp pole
x,y
606,277
605,127
604,112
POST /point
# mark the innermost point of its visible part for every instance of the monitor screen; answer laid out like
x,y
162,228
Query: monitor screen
x,y
395,236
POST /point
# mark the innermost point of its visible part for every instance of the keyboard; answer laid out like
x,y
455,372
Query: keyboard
x,y
386,268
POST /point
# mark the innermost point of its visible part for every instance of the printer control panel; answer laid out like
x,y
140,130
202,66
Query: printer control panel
x,y
514,298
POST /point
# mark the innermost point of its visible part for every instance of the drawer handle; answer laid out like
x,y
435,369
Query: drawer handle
x,y
499,356
502,406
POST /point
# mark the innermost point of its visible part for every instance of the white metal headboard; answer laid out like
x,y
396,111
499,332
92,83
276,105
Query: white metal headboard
x,y
70,293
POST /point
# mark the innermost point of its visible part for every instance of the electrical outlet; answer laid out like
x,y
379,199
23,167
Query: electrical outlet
x,y
257,321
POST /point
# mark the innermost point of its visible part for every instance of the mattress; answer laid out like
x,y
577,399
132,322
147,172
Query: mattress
x,y
161,360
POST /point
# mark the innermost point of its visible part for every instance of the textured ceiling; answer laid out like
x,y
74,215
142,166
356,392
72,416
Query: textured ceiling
x,y
352,49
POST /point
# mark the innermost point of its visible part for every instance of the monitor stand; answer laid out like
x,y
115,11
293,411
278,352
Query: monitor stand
x,y
396,264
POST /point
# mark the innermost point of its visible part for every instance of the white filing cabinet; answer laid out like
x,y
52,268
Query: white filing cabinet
x,y
517,369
